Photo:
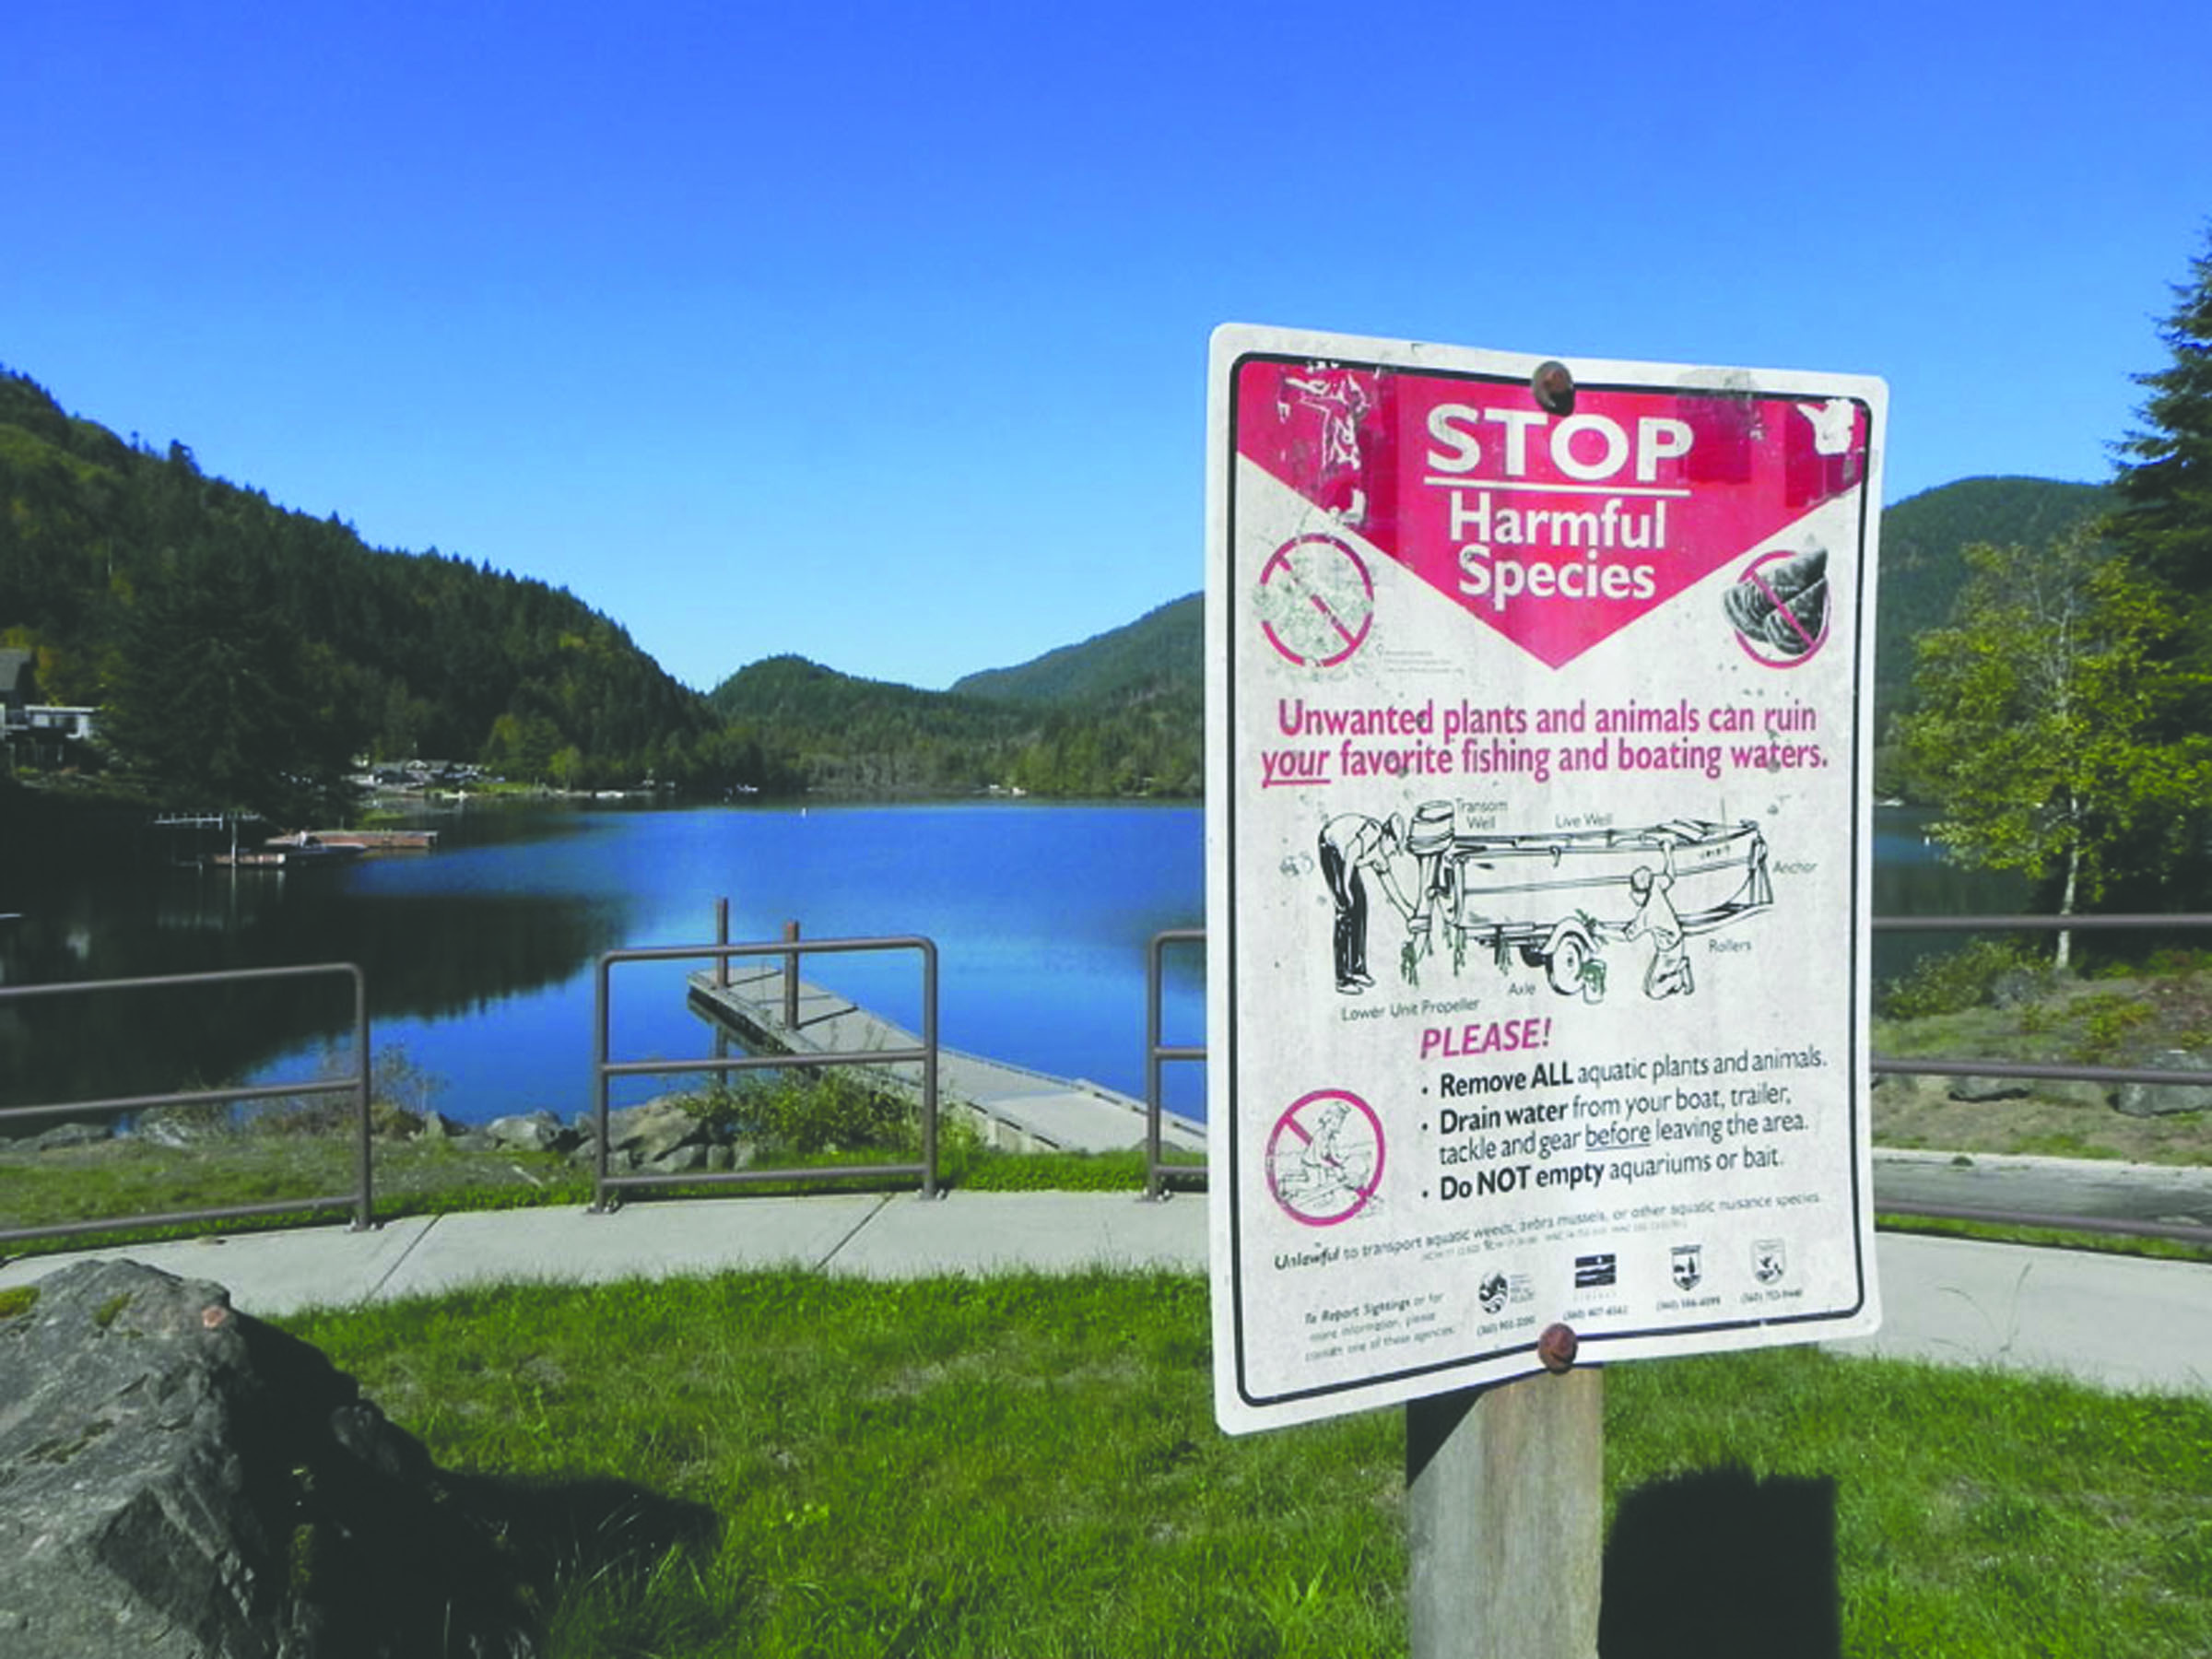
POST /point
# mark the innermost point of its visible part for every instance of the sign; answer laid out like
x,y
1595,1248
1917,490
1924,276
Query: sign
x,y
1538,841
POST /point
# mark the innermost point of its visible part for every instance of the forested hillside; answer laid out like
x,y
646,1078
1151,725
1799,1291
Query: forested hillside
x,y
1123,713
1119,715
242,652
1923,540
1158,655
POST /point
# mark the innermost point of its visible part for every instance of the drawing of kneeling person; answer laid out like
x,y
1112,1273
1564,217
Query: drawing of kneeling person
x,y
1349,843
1324,1171
1669,974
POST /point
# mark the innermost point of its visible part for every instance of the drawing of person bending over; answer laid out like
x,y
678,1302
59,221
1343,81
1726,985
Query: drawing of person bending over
x,y
1669,974
1351,843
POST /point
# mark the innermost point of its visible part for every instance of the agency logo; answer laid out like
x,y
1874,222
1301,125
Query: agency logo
x,y
1594,1270
1689,1267
1770,1261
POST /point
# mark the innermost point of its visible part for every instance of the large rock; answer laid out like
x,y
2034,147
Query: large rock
x,y
182,1126
180,1480
530,1131
1983,1090
643,1136
65,1135
2166,1100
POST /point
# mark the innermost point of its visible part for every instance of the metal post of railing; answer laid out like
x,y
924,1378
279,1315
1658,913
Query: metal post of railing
x,y
1152,1069
929,1068
722,936
600,1019
1157,1051
791,981
364,1215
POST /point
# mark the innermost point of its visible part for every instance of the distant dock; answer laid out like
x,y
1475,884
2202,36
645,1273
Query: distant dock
x,y
1015,1108
380,841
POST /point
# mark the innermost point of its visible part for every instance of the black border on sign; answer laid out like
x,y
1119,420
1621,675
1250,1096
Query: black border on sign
x,y
1229,619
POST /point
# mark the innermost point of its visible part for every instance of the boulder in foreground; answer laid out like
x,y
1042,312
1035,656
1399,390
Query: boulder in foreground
x,y
178,1479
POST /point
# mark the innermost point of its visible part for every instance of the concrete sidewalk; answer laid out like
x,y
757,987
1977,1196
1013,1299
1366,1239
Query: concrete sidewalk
x,y
2117,1320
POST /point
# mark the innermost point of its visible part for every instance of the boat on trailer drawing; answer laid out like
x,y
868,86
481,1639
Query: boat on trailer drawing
x,y
1554,900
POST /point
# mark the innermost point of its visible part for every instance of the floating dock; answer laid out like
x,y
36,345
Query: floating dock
x,y
1015,1108
380,841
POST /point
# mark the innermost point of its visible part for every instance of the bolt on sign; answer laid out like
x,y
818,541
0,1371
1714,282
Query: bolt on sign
x,y
1538,845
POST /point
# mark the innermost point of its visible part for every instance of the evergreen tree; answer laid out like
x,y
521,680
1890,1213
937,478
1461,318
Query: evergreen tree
x,y
2164,522
220,705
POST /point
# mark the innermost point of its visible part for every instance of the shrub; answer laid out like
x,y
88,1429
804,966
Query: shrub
x,y
1956,980
830,1110
400,1092
2171,961
2107,1020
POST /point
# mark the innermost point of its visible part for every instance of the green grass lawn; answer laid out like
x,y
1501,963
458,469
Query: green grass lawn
x,y
1028,1466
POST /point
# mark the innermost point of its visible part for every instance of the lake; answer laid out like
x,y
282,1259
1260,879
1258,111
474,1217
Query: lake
x,y
479,956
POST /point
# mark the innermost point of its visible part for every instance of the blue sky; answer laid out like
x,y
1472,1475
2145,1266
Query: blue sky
x,y
878,332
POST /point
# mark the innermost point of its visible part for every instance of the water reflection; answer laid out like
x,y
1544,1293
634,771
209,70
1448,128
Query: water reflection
x,y
451,949
1913,876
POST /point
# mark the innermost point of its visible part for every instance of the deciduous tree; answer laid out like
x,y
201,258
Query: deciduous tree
x,y
2045,724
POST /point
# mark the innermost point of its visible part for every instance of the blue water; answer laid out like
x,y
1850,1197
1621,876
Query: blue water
x,y
1041,915
1913,876
480,957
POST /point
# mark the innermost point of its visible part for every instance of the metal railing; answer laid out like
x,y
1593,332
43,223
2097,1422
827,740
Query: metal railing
x,y
1880,1064
361,1200
605,1070
2026,1071
1157,1053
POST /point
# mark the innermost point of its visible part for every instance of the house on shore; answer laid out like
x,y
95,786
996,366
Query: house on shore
x,y
35,733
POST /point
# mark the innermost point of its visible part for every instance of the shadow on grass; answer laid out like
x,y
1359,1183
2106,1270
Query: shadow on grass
x,y
386,1552
491,1559
563,1533
1720,1564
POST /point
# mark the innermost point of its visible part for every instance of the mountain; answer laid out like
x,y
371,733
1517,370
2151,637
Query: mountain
x,y
1158,654
843,735
1124,711
207,621
1119,715
237,648
1922,538
838,733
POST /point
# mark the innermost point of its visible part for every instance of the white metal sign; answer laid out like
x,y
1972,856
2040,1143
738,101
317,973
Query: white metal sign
x,y
1537,852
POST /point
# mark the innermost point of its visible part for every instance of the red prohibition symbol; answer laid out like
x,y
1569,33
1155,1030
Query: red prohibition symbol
x,y
1795,623
1325,1157
1323,601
